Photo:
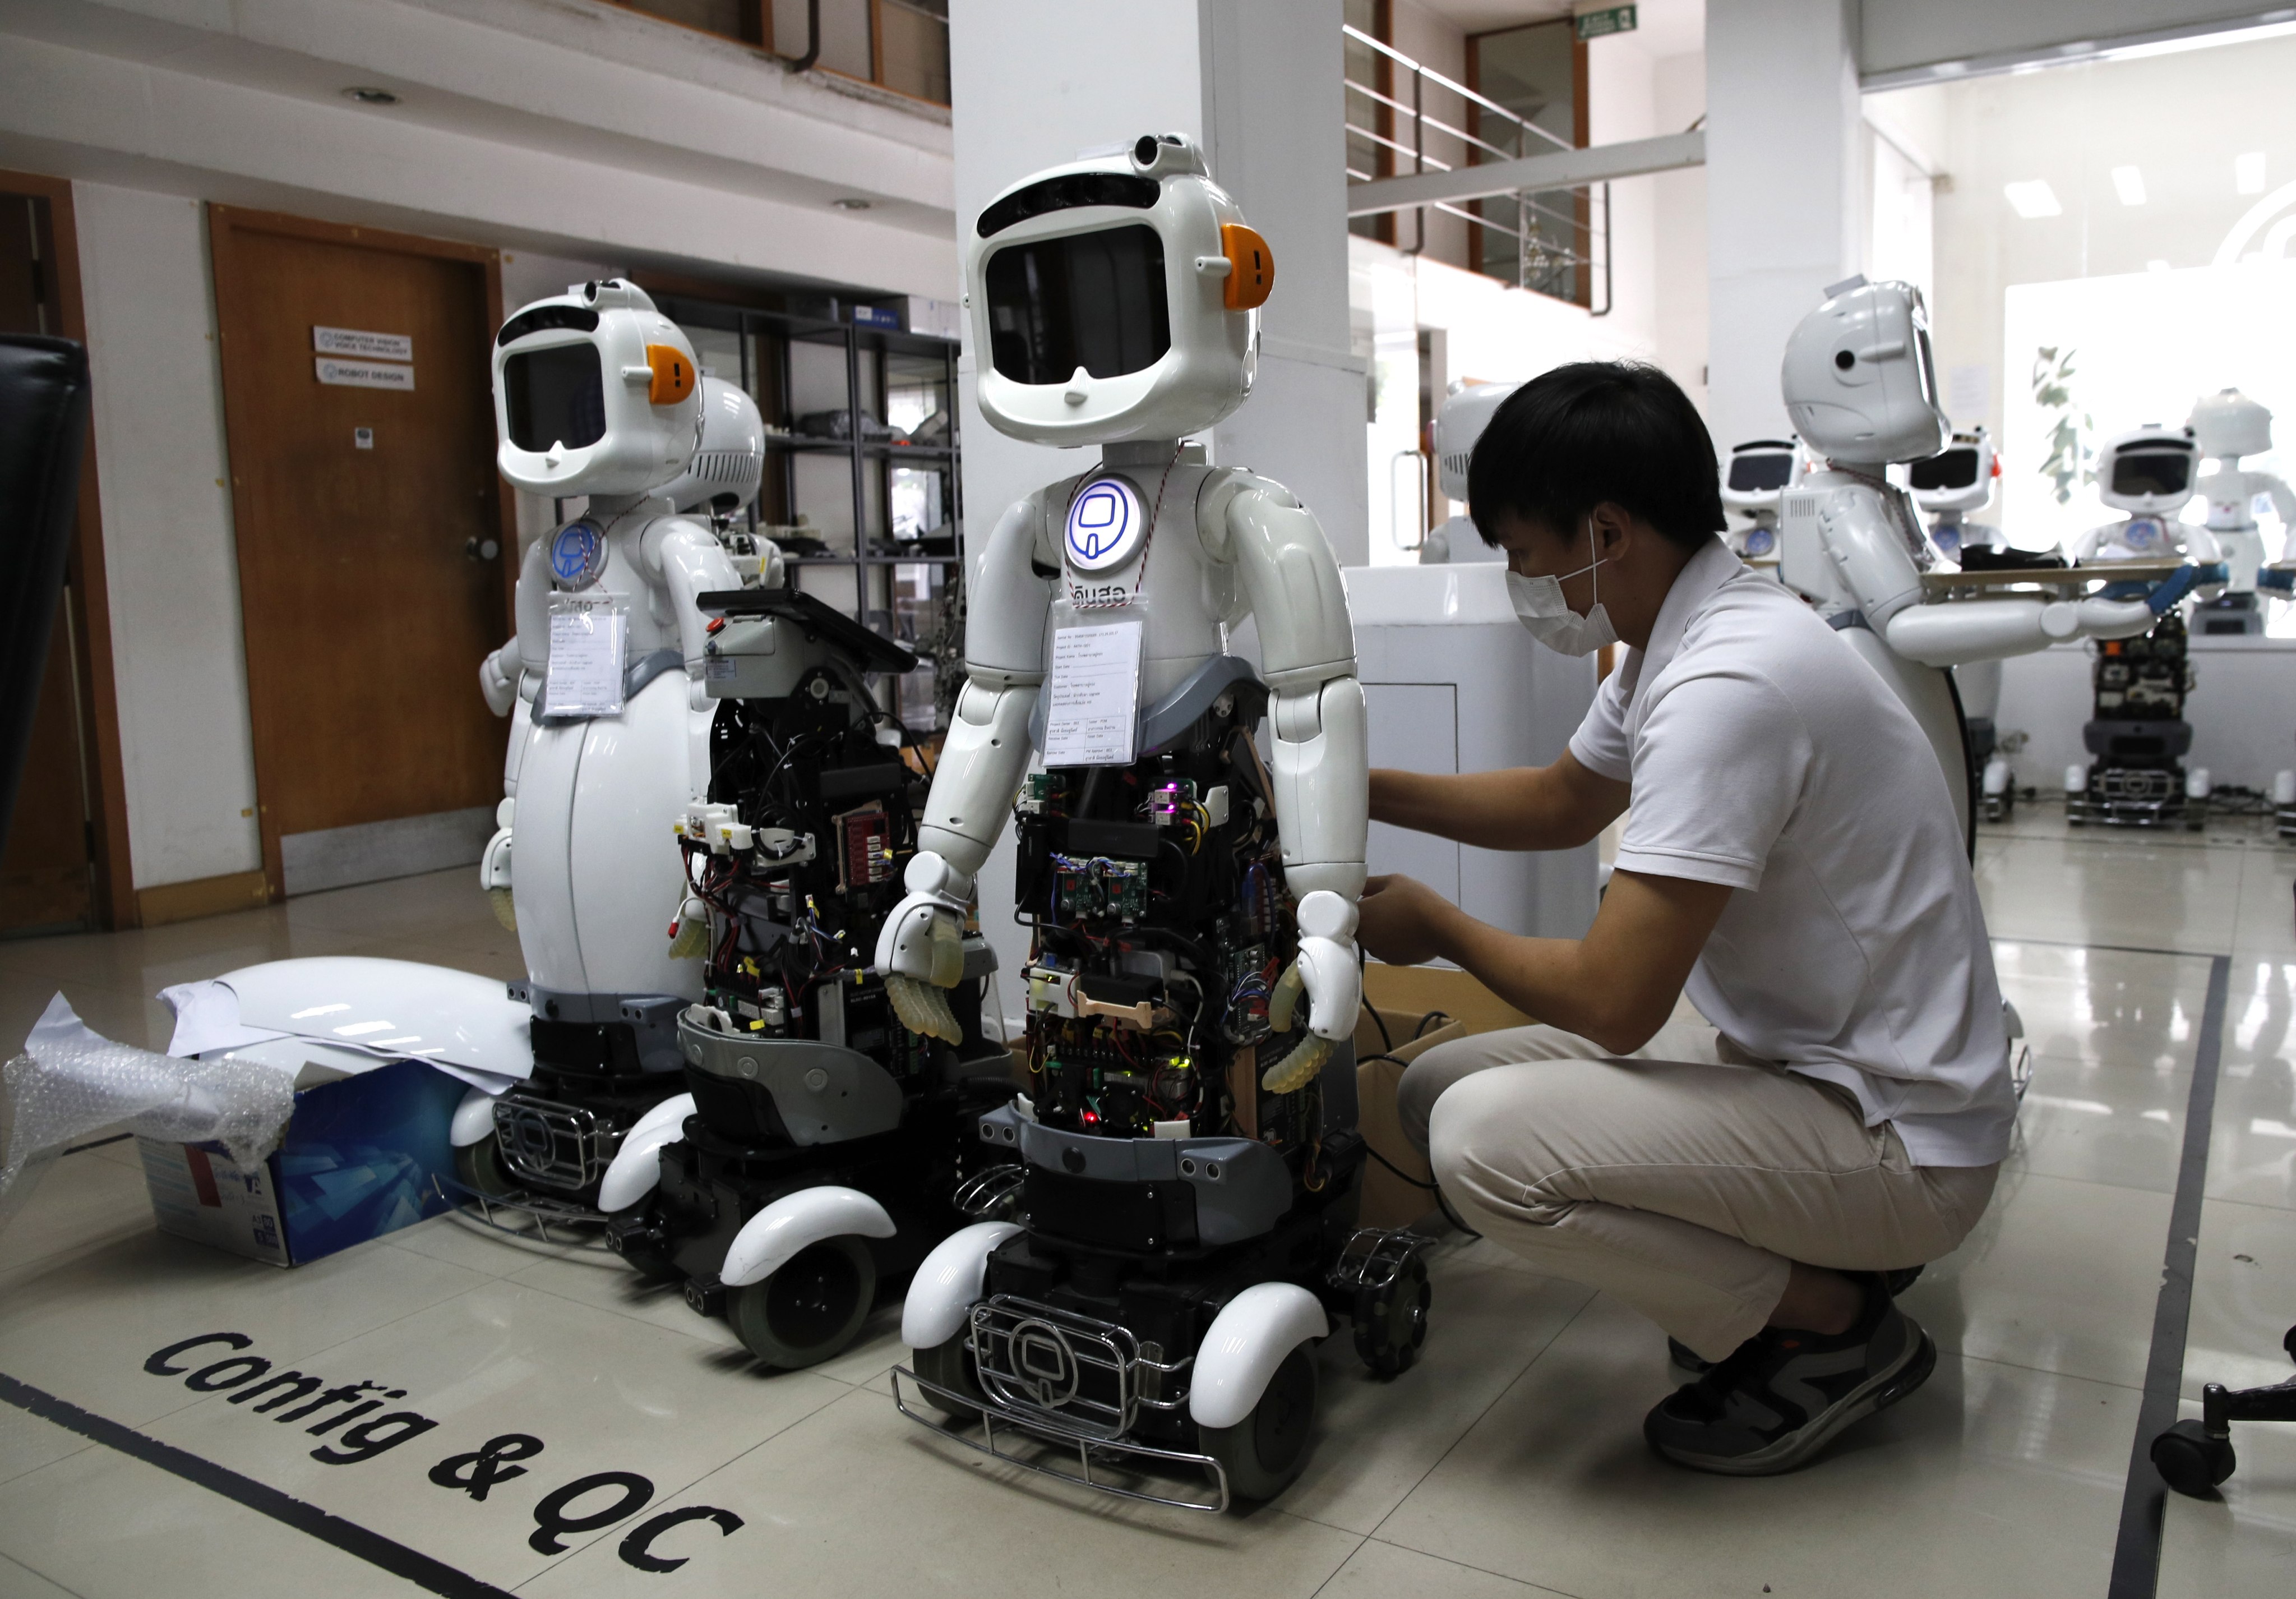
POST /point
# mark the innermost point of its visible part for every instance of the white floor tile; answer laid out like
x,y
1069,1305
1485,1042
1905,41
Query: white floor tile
x,y
1991,1479
1380,1570
23,1580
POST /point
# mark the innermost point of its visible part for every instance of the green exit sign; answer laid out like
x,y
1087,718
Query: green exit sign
x,y
1608,21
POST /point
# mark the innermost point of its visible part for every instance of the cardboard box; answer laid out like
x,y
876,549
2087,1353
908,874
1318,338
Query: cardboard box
x,y
359,1161
1398,1187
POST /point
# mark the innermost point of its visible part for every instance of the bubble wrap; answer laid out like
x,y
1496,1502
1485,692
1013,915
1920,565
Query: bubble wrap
x,y
72,1081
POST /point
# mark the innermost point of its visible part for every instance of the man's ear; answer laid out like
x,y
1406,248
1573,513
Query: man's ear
x,y
1611,523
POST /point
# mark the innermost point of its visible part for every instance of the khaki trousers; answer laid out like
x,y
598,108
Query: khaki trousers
x,y
1685,1178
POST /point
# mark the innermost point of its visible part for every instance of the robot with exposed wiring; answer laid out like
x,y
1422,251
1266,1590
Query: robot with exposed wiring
x,y
816,1154
597,394
1861,389
1188,1133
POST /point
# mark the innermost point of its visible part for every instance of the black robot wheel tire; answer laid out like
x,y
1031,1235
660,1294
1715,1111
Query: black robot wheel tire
x,y
478,1168
2190,1461
1266,1452
1390,1323
810,1308
949,1364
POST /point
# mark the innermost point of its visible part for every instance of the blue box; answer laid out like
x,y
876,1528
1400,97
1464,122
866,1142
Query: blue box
x,y
363,1157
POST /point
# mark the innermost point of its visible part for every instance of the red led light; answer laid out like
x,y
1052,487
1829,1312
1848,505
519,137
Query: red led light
x,y
1090,1119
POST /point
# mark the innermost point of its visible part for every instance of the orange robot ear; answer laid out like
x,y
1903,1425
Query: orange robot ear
x,y
673,374
1250,267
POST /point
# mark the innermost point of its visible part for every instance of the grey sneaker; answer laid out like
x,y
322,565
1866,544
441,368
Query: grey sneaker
x,y
1782,1395
1686,1359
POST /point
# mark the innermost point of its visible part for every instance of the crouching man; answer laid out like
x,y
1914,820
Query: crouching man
x,y
1791,856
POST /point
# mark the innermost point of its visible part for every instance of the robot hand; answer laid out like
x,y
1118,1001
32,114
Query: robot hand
x,y
921,949
1326,971
498,678
494,869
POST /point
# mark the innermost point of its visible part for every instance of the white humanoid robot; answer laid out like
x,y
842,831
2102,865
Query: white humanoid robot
x,y
1752,484
2227,425
597,394
1458,424
1115,300
2148,474
1955,484
1861,388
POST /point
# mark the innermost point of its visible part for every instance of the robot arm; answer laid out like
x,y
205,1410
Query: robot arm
x,y
515,672
689,562
498,677
1323,783
1955,632
980,767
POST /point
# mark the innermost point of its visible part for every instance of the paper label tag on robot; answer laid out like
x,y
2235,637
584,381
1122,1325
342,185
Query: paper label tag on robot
x,y
1094,703
588,639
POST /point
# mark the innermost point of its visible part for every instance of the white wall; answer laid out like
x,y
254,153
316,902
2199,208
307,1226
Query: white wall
x,y
167,551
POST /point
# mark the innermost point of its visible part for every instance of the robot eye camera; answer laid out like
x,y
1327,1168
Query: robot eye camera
x,y
1118,297
730,463
2150,472
1860,381
595,393
1957,478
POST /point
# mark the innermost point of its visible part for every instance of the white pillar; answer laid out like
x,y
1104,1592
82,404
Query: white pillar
x,y
1783,188
1257,82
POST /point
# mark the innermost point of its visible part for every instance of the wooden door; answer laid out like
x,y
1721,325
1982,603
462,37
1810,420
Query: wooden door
x,y
363,514
47,865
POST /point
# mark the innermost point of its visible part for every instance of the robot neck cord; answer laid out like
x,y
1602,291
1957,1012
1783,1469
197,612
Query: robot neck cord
x,y
1140,570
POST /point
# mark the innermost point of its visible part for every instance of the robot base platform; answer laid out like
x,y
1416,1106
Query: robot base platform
x,y
2136,797
1044,1381
554,1136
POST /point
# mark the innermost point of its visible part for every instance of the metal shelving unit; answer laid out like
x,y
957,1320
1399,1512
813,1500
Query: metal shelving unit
x,y
897,504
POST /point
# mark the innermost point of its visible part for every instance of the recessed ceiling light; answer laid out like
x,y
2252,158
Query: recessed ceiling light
x,y
366,95
2033,198
850,203
2128,182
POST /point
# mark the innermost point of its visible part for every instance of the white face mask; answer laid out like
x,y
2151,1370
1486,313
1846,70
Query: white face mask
x,y
1540,608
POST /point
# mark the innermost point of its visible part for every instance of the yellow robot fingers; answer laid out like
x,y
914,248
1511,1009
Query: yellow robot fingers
x,y
1286,998
1297,1069
505,908
922,1008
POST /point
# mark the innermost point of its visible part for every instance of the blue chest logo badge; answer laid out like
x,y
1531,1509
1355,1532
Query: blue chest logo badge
x,y
1106,525
578,555
2143,533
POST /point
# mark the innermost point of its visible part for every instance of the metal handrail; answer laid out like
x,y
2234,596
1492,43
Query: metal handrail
x,y
1460,89
1420,119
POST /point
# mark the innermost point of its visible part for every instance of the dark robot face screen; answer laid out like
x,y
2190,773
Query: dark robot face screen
x,y
1951,469
1754,474
1094,300
2153,472
555,396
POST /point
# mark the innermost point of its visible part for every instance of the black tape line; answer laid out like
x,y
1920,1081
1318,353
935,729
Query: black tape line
x,y
434,1576
2144,1497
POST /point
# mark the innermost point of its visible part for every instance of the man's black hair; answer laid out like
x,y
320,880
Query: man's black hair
x,y
1593,431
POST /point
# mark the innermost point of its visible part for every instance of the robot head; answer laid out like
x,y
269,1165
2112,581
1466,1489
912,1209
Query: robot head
x,y
1957,478
1116,298
2228,424
1458,424
1758,475
1860,381
2148,473
730,463
595,393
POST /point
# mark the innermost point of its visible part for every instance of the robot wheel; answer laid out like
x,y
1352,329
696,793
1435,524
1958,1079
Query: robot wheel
x,y
949,1364
810,1308
1263,1453
1391,1321
478,1168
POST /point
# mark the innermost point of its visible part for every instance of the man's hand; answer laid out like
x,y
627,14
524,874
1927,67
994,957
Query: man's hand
x,y
1400,916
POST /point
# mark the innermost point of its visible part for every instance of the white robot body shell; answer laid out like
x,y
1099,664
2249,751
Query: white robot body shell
x,y
595,393
1860,383
1166,238
2148,472
729,458
2228,424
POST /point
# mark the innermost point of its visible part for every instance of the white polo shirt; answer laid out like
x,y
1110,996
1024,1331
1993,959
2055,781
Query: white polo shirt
x,y
1765,754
